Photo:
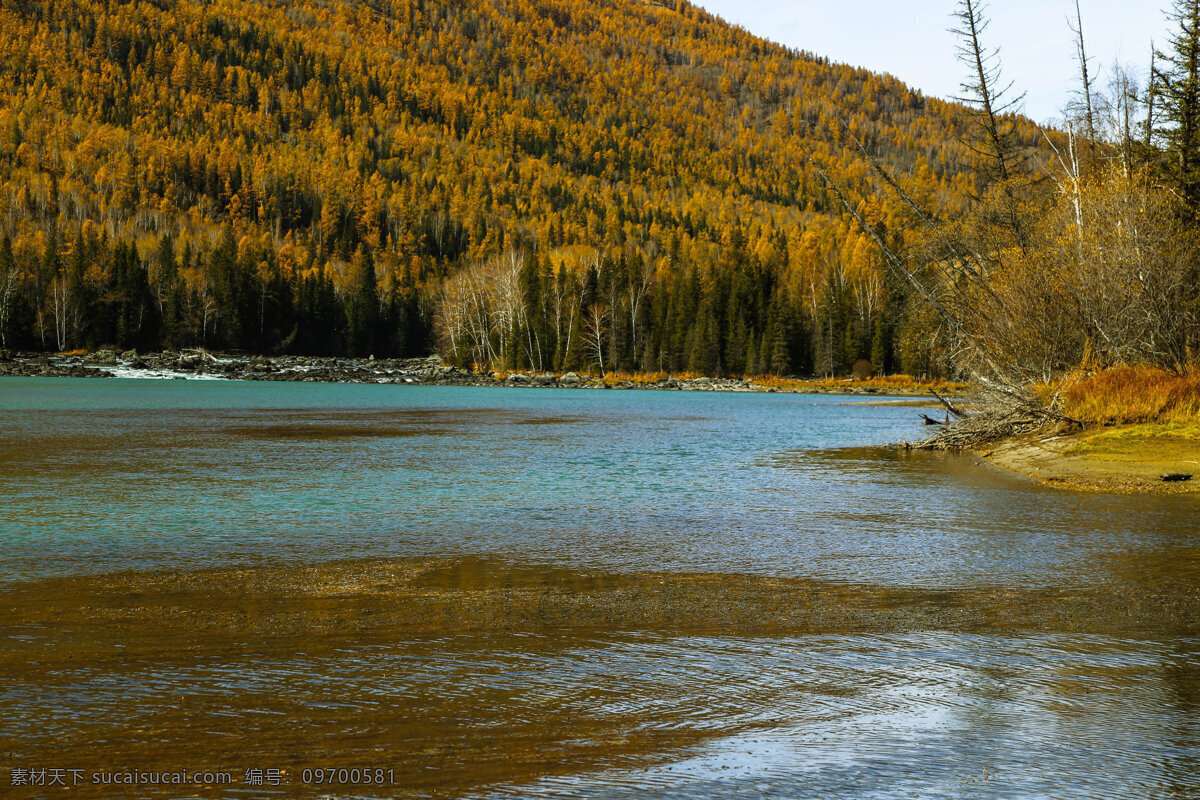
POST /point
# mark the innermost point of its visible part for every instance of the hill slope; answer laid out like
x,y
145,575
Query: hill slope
x,y
303,176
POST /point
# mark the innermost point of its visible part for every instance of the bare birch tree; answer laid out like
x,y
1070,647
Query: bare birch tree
x,y
595,328
8,285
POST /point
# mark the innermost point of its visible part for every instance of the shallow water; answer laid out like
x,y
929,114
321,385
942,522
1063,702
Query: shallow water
x,y
552,593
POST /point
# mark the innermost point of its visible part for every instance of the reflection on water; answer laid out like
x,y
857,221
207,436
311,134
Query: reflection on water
x,y
574,594
928,716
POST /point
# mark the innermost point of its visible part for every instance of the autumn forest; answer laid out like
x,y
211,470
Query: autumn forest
x,y
525,184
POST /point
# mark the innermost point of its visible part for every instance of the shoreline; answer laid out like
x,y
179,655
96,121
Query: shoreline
x,y
1129,459
430,371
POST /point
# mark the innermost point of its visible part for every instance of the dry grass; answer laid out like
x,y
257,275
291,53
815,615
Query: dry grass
x,y
1133,395
892,384
897,383
643,378
610,378
1155,409
74,353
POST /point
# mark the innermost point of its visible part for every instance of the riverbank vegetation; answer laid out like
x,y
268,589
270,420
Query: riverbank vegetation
x,y
1133,426
1070,293
890,385
1131,395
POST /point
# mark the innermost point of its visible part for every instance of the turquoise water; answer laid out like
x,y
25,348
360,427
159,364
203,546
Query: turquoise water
x,y
126,474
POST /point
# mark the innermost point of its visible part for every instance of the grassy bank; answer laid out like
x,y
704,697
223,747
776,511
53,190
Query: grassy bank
x,y
1138,424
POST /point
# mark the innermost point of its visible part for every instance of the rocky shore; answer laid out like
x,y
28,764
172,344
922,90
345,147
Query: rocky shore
x,y
203,365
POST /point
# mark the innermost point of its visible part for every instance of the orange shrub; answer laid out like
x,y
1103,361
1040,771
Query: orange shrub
x,y
1127,395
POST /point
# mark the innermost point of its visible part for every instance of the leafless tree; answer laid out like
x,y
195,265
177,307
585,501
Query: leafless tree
x,y
1085,80
639,286
8,285
60,297
985,91
595,327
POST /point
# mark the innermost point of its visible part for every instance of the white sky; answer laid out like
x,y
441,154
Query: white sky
x,y
910,39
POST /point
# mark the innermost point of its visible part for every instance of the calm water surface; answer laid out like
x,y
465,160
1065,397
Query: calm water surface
x,y
553,593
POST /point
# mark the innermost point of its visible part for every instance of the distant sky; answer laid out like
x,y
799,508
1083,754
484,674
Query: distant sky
x,y
909,39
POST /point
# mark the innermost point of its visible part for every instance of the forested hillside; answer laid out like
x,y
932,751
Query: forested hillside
x,y
553,184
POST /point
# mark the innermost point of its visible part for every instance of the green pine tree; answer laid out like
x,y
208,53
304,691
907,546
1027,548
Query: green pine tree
x,y
1177,88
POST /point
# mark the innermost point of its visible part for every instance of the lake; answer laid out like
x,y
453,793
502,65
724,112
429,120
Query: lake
x,y
555,593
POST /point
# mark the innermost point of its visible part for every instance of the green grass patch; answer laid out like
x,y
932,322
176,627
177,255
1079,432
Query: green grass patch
x,y
1148,443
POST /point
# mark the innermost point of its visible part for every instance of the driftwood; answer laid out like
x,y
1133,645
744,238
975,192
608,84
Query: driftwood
x,y
958,413
202,353
995,416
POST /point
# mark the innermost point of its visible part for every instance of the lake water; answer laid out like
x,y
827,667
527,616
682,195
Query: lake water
x,y
554,593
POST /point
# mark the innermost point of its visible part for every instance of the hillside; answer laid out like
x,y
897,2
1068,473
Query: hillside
x,y
324,177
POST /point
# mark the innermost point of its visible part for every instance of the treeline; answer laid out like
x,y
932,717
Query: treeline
x,y
622,313
524,310
101,293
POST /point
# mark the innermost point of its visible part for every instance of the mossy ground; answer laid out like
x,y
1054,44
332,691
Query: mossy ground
x,y
1155,443
1130,458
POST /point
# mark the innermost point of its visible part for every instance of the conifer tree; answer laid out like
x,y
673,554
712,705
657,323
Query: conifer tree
x,y
1177,90
703,356
80,297
163,277
362,307
228,289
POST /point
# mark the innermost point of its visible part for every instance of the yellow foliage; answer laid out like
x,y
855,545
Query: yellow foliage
x,y
1127,395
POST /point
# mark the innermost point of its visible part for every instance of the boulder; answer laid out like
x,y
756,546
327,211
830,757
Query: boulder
x,y
570,379
102,358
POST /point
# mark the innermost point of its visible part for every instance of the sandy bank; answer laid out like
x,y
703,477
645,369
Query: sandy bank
x,y
1132,458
